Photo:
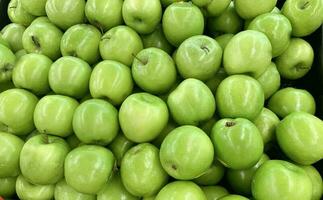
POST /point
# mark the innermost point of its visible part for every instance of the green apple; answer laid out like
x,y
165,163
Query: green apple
x,y
305,16
198,57
166,3
119,146
248,9
236,93
73,141
16,111
267,122
142,117
171,125
34,7
194,144
224,39
181,190
211,176
216,7
40,19
149,198
20,53
12,33
288,100
44,38
276,27
201,3
191,102
65,192
42,159
30,135
3,41
11,146
248,52
277,178
26,190
317,184
154,70
300,136
214,192
54,114
31,72
296,61
135,15
207,126
66,13
8,187
233,197
111,80
17,14
182,20
141,171
90,122
214,82
70,76
270,80
87,168
7,62
104,14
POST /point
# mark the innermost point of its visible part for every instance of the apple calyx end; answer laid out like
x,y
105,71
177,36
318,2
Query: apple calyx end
x,y
35,41
7,67
230,124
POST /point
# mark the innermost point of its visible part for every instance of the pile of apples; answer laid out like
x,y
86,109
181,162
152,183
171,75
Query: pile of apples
x,y
158,100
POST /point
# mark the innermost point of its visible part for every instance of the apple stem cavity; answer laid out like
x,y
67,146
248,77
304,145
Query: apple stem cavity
x,y
143,62
304,5
301,67
230,124
35,41
174,167
205,49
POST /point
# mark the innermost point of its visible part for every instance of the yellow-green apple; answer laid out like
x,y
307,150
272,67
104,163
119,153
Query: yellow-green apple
x,y
216,7
65,192
8,187
270,80
214,192
211,176
26,190
224,39
7,62
34,7
17,14
12,33
119,146
249,9
316,178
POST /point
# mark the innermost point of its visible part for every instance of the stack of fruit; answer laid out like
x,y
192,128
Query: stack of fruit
x,y
158,100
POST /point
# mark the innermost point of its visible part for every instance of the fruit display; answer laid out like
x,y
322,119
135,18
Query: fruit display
x,y
161,99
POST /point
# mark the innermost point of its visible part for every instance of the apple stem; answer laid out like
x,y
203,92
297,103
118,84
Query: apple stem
x,y
141,61
45,138
11,7
204,48
35,41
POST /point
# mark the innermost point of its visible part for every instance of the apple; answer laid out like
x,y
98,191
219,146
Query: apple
x,y
111,80
296,61
171,125
90,122
300,136
207,126
224,39
198,57
288,100
270,80
16,111
12,33
7,62
65,192
87,168
182,20
11,146
166,3
41,20
248,52
211,176
70,76
135,14
3,41
119,146
8,187
233,197
214,82
191,102
44,38
305,16
216,7
248,9
154,70
66,13
149,198
73,141
20,53
34,7
30,135
236,93
54,114
180,190
214,192
104,14
31,72
120,43
142,116
17,14
26,190
316,179
194,144
277,178
141,171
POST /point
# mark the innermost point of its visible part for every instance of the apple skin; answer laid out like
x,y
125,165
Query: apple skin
x,y
214,82
211,176
207,126
194,144
66,13
111,80
214,192
142,116
270,80
17,14
31,72
291,182
300,137
16,111
288,100
34,7
180,190
8,186
236,93
166,3
141,171
234,197
49,117
154,70
26,190
316,179
198,57
182,20
70,76
20,53
149,198
3,41
7,62
12,33
248,52
305,16
171,125
248,9
11,146
90,122
104,14
119,146
125,36
65,192
87,168
224,39
216,7
296,61
73,141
